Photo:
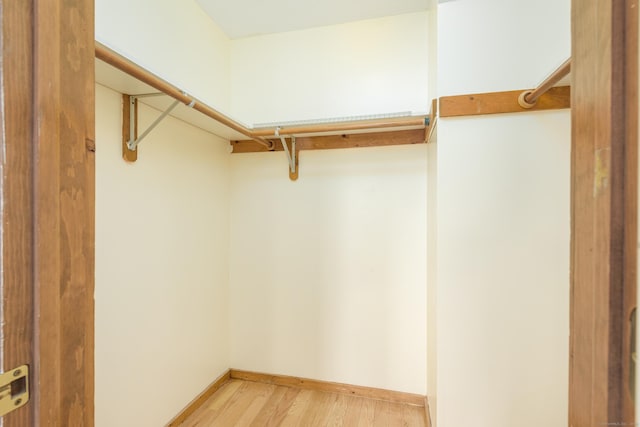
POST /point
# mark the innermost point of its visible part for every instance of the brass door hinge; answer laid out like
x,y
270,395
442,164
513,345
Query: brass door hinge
x,y
14,389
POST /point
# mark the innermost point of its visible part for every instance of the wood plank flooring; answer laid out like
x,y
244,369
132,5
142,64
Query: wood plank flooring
x,y
241,403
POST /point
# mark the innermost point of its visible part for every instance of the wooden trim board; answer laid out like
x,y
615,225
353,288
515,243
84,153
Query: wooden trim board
x,y
48,195
603,210
64,206
376,139
16,190
427,413
200,399
64,212
630,299
502,102
331,387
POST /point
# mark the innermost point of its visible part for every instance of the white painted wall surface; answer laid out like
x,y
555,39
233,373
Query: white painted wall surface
x,y
503,221
366,67
432,276
432,28
432,223
503,270
176,40
328,277
497,45
162,238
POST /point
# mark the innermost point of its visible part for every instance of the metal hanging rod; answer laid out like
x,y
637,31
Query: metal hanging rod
x,y
529,98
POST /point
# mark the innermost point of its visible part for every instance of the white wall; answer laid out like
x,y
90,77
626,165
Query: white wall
x,y
328,277
432,275
432,223
175,40
432,54
367,67
362,318
162,236
502,222
497,45
503,270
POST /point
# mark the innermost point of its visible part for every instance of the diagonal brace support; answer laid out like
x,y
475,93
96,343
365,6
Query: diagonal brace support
x,y
132,144
291,155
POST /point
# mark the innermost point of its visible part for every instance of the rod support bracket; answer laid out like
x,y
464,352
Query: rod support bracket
x,y
292,154
522,100
130,124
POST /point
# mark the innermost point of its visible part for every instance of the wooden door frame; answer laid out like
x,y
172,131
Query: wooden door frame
x,y
16,191
48,198
604,192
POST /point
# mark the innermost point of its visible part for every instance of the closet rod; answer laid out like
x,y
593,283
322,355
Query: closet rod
x,y
112,58
528,98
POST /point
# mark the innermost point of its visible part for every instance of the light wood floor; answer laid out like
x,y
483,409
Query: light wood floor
x,y
243,403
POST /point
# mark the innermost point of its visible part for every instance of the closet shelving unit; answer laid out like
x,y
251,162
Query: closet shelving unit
x,y
118,73
140,85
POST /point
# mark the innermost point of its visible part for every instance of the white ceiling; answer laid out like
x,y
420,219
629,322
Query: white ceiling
x,y
243,18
